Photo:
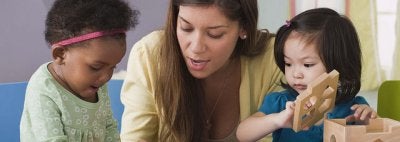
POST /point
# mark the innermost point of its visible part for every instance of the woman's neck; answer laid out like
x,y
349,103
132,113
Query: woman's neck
x,y
221,95
218,76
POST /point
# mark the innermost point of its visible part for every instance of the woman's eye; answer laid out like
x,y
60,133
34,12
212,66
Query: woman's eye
x,y
287,64
308,65
186,29
216,36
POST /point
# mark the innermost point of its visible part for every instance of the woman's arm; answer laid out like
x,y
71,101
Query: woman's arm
x,y
140,120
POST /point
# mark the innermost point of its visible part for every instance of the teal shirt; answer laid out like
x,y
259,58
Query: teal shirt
x,y
275,102
51,113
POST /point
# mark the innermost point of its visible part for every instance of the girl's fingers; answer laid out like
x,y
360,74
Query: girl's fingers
x,y
365,113
354,107
359,109
307,105
350,118
374,115
290,104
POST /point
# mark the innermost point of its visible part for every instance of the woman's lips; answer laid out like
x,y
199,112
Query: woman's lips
x,y
197,65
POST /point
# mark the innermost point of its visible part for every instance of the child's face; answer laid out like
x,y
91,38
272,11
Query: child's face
x,y
302,62
89,67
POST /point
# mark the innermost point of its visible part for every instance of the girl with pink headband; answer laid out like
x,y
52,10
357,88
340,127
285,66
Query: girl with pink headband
x,y
67,98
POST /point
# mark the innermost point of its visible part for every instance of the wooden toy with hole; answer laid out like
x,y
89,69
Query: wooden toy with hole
x,y
378,130
321,93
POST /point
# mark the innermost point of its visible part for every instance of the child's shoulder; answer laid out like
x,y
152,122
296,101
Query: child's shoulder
x,y
360,100
283,93
275,101
41,81
281,96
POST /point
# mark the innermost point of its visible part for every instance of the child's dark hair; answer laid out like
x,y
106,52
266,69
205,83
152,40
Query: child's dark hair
x,y
336,41
71,18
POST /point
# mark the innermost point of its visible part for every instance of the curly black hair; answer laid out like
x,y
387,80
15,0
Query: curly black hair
x,y
70,18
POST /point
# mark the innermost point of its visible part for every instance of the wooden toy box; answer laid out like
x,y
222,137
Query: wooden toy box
x,y
378,130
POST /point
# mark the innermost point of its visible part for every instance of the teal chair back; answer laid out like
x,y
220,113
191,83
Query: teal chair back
x,y
114,91
389,99
12,96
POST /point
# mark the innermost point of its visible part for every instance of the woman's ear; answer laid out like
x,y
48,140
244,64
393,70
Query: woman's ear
x,y
58,54
243,34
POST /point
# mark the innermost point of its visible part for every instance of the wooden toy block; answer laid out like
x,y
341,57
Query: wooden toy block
x,y
378,130
321,93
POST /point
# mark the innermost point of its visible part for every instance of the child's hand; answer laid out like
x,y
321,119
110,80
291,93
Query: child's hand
x,y
362,113
311,102
286,116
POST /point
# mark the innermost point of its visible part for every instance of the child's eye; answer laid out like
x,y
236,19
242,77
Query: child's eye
x,y
94,68
308,65
287,64
113,68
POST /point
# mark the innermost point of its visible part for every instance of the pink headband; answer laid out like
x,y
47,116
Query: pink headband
x,y
288,23
86,37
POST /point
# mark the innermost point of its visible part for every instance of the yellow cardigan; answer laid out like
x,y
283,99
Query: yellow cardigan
x,y
140,119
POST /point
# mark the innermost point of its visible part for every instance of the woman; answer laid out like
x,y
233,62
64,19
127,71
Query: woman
x,y
195,80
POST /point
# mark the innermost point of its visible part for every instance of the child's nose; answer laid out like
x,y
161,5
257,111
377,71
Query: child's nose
x,y
105,77
298,75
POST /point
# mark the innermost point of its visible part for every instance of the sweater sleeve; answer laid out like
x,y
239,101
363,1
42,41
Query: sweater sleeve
x,y
140,120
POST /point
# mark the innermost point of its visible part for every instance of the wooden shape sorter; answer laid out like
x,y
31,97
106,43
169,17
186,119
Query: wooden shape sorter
x,y
321,93
378,130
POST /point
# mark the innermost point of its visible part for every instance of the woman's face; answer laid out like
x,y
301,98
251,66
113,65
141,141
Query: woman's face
x,y
207,38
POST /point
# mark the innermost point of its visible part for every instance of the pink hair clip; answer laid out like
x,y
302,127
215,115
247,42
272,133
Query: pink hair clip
x,y
86,37
288,23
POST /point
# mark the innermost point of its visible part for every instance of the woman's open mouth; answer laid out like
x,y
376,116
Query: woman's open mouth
x,y
197,65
